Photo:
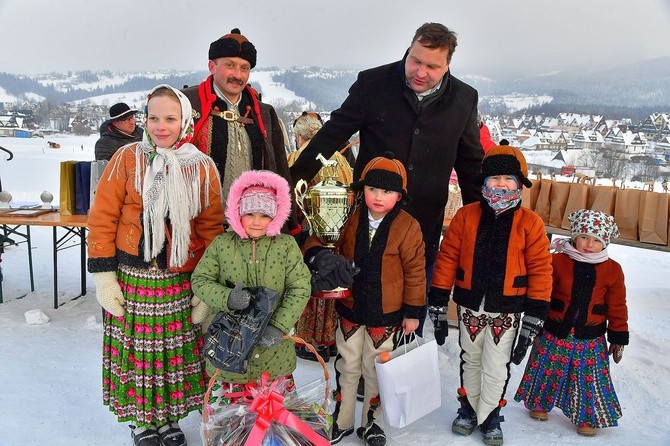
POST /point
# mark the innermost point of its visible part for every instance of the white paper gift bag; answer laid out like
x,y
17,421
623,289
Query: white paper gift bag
x,y
409,382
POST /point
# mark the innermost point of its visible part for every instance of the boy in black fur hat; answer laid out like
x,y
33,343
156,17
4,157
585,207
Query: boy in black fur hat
x,y
388,294
495,257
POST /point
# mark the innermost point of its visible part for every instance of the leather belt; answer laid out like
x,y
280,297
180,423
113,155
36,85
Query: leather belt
x,y
231,116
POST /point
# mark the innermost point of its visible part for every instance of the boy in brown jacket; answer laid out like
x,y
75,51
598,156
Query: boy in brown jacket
x,y
388,294
495,257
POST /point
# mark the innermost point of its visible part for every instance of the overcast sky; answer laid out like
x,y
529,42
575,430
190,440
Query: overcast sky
x,y
510,36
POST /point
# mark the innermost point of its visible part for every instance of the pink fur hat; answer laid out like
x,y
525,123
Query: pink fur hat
x,y
253,181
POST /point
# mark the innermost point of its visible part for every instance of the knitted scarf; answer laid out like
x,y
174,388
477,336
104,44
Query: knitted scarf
x,y
171,187
564,245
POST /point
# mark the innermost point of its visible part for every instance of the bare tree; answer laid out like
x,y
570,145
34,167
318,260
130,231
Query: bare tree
x,y
588,157
612,162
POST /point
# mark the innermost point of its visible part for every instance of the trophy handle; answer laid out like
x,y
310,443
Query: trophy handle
x,y
300,192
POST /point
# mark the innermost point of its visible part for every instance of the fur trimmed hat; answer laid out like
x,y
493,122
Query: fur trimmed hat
x,y
384,172
258,191
233,45
596,224
121,111
505,160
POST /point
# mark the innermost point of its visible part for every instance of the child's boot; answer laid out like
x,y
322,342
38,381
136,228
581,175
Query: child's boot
x,y
539,414
372,434
491,431
171,434
338,434
145,436
586,430
466,422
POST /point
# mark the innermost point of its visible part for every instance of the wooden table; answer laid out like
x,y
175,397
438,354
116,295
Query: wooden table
x,y
73,225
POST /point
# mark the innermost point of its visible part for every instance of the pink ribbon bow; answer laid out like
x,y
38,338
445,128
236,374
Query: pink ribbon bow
x,y
270,406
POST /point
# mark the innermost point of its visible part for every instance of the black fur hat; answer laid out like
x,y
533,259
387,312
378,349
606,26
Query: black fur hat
x,y
384,172
505,160
233,45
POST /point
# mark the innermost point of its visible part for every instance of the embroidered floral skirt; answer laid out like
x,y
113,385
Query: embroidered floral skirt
x,y
318,322
152,369
573,375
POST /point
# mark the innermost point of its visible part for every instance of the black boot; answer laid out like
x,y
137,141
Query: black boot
x,y
372,434
171,434
338,434
145,436
304,353
466,422
491,431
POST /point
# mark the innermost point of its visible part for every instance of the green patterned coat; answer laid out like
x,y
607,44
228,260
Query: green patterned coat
x,y
277,264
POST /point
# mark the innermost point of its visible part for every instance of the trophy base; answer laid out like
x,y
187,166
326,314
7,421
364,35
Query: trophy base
x,y
338,293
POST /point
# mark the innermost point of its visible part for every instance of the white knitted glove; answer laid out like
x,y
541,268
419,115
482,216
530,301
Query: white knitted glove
x,y
108,292
199,310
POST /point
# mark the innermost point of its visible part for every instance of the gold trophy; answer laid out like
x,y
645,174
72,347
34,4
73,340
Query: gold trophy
x,y
326,207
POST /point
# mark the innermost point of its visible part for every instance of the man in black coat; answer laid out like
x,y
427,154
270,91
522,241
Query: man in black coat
x,y
416,109
120,129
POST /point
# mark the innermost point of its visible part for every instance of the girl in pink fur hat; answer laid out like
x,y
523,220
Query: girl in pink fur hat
x,y
253,253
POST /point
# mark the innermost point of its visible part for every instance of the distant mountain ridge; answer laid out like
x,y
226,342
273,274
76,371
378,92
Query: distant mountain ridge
x,y
634,89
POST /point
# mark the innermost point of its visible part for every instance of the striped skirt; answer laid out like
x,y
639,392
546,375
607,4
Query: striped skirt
x,y
152,368
573,375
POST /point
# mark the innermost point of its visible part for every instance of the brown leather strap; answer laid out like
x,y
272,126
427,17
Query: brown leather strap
x,y
231,116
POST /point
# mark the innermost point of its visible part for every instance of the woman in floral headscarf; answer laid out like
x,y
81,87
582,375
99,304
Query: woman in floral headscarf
x,y
152,370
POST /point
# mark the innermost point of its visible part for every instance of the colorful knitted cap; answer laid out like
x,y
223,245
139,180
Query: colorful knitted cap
x,y
258,191
597,224
258,199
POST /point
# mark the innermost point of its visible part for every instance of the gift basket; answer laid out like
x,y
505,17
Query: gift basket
x,y
264,414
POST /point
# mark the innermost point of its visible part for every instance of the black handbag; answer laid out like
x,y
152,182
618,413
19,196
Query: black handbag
x,y
233,334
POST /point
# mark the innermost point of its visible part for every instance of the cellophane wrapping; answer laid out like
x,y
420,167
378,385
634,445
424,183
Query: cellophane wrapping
x,y
231,425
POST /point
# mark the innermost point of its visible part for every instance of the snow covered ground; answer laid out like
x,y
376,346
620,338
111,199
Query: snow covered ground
x,y
50,375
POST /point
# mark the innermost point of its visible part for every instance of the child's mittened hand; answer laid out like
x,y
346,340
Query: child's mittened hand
x,y
271,336
530,326
324,262
239,298
108,292
441,326
199,311
616,351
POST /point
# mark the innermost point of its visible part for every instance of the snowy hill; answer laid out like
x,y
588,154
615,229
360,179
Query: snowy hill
x,y
601,92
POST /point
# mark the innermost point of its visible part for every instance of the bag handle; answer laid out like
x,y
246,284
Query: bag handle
x,y
412,337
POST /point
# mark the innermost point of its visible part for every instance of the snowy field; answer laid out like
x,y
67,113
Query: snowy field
x,y
50,375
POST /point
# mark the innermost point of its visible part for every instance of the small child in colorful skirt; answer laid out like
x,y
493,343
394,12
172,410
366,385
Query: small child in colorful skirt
x,y
569,363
